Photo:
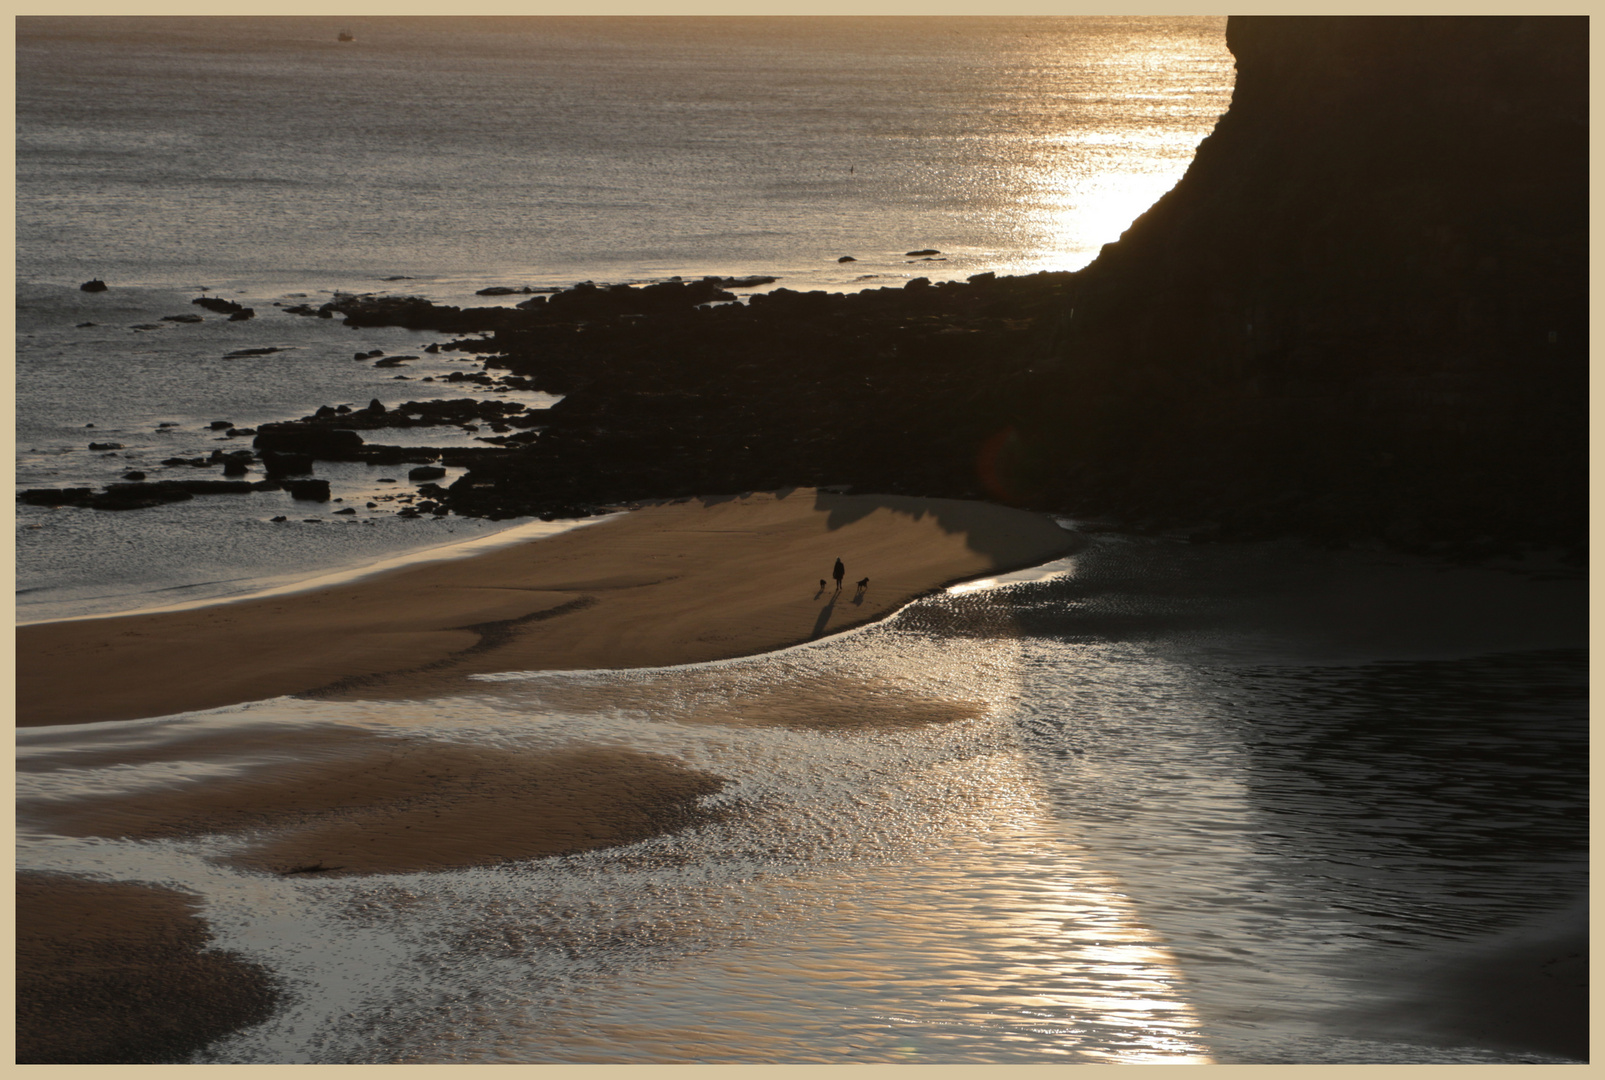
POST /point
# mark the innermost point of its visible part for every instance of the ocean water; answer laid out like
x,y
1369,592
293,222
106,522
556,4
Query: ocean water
x,y
1213,799
264,161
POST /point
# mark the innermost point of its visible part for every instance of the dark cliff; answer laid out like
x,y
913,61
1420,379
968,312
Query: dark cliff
x,y
1362,311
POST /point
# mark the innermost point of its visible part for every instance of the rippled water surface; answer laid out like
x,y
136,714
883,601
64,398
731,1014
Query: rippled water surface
x,y
1161,803
262,160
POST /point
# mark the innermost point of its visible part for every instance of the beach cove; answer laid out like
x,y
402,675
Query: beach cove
x,y
1282,758
676,583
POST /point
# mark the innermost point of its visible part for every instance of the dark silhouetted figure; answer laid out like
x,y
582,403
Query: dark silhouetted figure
x,y
839,573
864,584
821,584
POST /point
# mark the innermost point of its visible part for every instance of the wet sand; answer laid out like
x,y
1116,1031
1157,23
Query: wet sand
x,y
366,804
667,584
116,973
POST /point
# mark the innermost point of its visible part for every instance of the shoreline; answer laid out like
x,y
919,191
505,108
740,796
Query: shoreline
x,y
355,573
671,583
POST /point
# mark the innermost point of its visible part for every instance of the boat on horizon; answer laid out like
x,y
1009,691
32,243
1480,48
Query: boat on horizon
x,y
344,35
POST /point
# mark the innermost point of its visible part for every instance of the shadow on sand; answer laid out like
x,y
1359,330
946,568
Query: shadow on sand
x,y
824,615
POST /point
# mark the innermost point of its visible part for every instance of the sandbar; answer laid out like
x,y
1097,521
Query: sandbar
x,y
672,583
119,973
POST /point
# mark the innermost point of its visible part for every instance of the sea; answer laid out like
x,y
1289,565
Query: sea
x,y
1217,803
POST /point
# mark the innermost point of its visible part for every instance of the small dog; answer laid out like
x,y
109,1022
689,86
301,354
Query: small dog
x,y
862,585
821,584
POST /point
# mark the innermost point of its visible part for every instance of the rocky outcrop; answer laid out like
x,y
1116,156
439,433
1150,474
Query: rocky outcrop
x,y
882,388
1362,311
313,440
235,312
308,490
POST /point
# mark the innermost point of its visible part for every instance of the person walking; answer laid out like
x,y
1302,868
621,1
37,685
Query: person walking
x,y
839,573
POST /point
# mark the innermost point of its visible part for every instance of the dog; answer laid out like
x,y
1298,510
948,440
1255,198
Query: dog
x,y
864,584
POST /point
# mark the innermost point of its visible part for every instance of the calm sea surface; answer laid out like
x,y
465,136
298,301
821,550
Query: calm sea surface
x,y
1216,799
269,163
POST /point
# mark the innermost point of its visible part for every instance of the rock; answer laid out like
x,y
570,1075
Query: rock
x,y
281,517
921,251
426,472
93,285
324,443
276,465
216,487
145,326
393,361
133,474
846,259
166,424
105,446
269,350
137,496
348,510
234,467
504,290
54,496
242,314
221,425
182,318
218,304
308,490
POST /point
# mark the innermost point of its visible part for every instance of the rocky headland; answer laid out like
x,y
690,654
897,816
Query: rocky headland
x,y
1361,315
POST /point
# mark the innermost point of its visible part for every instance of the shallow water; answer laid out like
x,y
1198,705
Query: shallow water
x,y
1090,817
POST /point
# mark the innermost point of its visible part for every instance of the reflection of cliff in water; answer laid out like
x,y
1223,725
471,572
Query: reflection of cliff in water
x,y
1367,809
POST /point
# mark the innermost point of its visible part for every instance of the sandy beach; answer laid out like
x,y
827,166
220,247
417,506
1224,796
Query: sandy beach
x,y
667,584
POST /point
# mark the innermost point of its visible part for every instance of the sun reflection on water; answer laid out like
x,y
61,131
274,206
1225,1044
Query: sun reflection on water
x,y
882,880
